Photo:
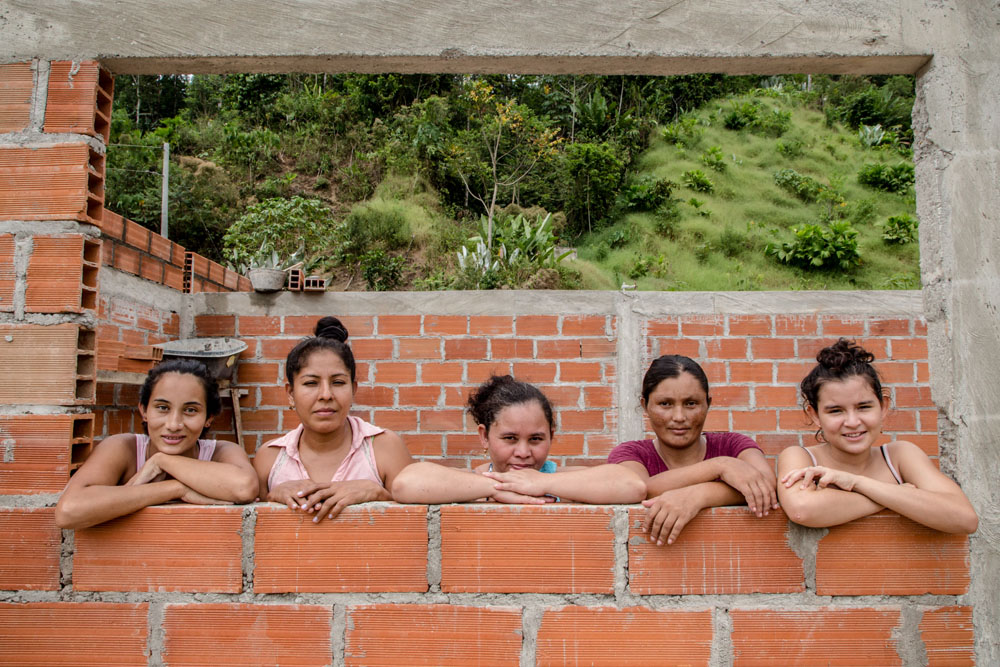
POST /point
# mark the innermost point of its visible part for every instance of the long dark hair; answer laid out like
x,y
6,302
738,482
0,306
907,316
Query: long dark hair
x,y
500,391
330,335
838,362
670,366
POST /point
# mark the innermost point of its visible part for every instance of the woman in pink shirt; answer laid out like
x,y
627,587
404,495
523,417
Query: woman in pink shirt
x,y
332,459
170,461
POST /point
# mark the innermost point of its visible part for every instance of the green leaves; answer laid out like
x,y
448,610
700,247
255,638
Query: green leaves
x,y
817,248
276,225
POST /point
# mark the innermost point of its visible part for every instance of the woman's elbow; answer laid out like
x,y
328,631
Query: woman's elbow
x,y
803,514
633,491
247,491
967,524
68,516
403,486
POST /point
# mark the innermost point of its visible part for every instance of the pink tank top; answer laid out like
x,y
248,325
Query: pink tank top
x,y
358,464
206,449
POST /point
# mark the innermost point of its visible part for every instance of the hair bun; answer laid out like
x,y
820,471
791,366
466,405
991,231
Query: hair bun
x,y
843,354
331,327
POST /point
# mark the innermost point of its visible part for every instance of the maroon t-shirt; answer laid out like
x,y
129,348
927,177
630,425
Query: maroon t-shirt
x,y
716,444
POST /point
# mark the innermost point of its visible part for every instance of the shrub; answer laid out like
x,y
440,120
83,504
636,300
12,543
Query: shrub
x,y
644,194
277,224
741,116
751,116
817,248
899,229
375,224
862,212
683,132
731,242
790,149
593,174
531,242
381,271
698,181
895,178
712,158
805,188
665,219
871,136
772,124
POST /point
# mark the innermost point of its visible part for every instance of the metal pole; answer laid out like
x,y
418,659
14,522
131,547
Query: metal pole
x,y
165,193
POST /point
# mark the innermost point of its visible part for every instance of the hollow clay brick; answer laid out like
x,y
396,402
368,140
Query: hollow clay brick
x,y
948,636
367,548
169,548
723,550
57,182
48,355
436,634
247,634
62,274
16,85
74,633
532,557
79,99
854,637
851,559
8,278
30,545
642,636
39,450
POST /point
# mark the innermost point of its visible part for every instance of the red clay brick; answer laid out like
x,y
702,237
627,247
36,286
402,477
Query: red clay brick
x,y
58,274
585,325
393,372
900,420
913,397
754,420
49,183
477,373
259,325
596,348
580,371
948,636
445,634
532,558
535,372
112,225
446,325
257,373
420,348
399,325
727,348
151,269
73,633
160,247
580,636
420,396
559,349
39,451
8,278
600,445
16,84
724,395
842,326
396,420
537,325
465,348
434,372
48,355
30,545
136,235
852,637
424,444
247,634
919,327
203,557
851,559
127,259
581,420
372,349
689,347
774,443
896,372
889,327
441,420
772,348
463,444
750,371
599,397
375,396
795,325
491,325
909,348
567,444
512,348
775,397
562,396
78,99
792,372
215,325
260,420
723,550
703,325
381,548
666,327
749,325
276,348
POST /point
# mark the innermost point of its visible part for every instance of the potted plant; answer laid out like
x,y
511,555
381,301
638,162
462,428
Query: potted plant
x,y
267,270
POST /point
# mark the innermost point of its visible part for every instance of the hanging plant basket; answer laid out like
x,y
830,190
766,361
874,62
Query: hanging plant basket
x,y
266,280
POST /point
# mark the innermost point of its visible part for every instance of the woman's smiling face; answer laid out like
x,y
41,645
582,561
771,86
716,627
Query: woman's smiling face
x,y
519,437
849,414
677,409
176,414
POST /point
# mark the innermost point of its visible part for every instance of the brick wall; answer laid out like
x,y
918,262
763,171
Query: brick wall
x,y
456,584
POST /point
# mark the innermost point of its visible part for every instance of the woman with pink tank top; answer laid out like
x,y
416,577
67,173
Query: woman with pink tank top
x,y
171,461
847,476
332,459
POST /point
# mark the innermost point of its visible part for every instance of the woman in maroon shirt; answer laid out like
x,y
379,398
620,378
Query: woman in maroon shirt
x,y
686,470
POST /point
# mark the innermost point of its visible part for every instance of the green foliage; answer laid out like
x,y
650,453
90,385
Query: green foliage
x,y
741,115
732,243
862,212
751,116
899,229
593,174
815,247
531,242
665,219
712,158
378,224
277,225
645,193
683,132
804,187
697,181
894,178
871,136
382,272
791,149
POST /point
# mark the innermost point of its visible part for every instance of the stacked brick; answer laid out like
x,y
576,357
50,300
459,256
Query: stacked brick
x,y
415,373
509,585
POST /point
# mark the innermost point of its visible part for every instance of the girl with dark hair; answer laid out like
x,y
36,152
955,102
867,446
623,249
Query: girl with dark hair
x,y
515,427
847,476
171,461
686,470
332,459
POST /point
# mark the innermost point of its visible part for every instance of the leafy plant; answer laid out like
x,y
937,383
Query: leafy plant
x,y
279,225
594,172
645,194
534,243
895,178
382,271
712,158
871,136
697,180
899,229
790,149
817,248
683,132
741,115
804,187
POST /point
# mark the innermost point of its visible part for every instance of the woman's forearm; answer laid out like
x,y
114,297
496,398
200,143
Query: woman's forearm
x,y
214,479
91,505
947,512
605,484
430,483
821,508
703,471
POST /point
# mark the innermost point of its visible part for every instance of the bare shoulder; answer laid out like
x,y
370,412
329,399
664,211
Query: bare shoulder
x,y
226,450
111,461
793,457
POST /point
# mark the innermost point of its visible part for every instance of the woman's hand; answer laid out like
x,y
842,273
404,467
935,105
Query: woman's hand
x,y
330,499
195,498
526,481
669,512
293,493
752,484
150,472
822,477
